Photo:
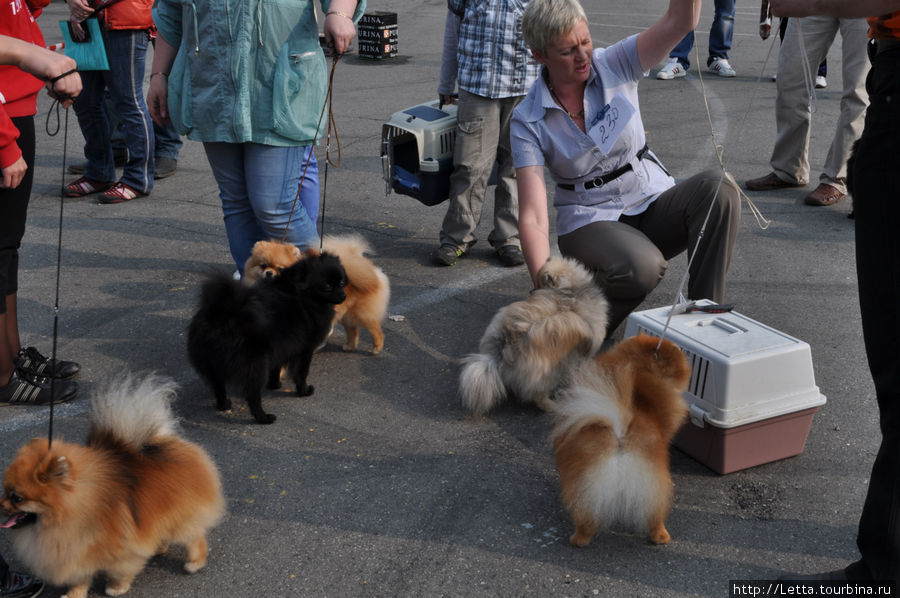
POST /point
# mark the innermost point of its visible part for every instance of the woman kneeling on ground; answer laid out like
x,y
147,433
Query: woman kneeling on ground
x,y
618,210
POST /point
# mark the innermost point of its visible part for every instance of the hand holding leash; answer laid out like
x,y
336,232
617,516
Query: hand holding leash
x,y
339,31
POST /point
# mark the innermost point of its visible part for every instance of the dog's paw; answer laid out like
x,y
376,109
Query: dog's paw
x,y
265,418
545,403
117,587
223,405
584,531
194,566
76,592
660,535
306,391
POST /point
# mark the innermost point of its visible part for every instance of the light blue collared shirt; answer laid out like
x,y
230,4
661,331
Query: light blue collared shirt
x,y
543,135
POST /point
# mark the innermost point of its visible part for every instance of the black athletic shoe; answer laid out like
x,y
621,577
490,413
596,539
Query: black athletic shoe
x,y
164,167
511,255
27,390
19,585
31,362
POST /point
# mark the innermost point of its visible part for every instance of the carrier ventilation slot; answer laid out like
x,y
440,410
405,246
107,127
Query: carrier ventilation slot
x,y
447,140
393,131
699,367
699,373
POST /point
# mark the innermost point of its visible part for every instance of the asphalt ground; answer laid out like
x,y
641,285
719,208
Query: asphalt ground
x,y
379,484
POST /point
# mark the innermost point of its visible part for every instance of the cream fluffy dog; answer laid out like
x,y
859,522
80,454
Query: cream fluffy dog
x,y
531,346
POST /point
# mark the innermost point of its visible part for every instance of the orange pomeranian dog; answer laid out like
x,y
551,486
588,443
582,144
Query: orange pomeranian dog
x,y
611,440
368,290
136,486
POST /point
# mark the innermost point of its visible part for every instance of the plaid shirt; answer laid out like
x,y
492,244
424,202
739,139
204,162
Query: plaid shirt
x,y
493,59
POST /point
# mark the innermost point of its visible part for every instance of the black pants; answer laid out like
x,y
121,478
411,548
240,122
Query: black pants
x,y
874,177
13,210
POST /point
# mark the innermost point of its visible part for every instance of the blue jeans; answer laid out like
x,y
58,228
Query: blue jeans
x,y
720,36
167,140
258,185
126,51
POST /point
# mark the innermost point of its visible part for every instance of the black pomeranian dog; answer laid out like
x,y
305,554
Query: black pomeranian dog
x,y
244,334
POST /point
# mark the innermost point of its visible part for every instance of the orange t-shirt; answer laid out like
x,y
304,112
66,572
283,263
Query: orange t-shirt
x,y
885,26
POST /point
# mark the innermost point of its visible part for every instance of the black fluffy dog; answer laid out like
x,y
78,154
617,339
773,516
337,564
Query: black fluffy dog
x,y
244,334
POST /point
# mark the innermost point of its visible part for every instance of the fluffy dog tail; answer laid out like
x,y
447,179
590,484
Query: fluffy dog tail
x,y
481,387
361,272
133,411
604,474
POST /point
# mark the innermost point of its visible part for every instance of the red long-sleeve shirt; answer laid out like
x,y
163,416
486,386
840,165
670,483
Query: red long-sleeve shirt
x,y
18,89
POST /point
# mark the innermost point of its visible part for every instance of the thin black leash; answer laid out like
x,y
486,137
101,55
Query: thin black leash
x,y
326,107
56,105
332,126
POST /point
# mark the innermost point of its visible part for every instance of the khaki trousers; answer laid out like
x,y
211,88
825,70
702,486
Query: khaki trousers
x,y
482,138
790,156
630,256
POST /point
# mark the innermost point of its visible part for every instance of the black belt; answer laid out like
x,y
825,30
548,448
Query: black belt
x,y
599,181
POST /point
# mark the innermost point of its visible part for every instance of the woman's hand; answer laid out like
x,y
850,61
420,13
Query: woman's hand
x,y
79,10
158,93
158,99
65,89
339,31
50,67
14,173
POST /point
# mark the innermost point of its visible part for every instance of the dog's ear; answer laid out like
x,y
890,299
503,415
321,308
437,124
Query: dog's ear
x,y
56,469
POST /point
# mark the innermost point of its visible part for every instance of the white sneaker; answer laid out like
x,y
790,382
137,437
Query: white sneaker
x,y
672,70
720,67
821,83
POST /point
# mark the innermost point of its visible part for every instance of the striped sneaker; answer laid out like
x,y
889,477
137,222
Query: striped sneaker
x,y
24,390
30,361
671,70
720,67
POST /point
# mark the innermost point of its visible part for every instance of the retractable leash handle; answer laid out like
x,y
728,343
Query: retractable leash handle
x,y
717,308
765,20
693,306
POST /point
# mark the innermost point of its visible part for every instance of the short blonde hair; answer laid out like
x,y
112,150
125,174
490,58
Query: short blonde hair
x,y
546,21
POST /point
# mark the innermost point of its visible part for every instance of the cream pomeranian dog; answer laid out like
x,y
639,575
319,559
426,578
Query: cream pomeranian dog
x,y
108,506
614,425
530,346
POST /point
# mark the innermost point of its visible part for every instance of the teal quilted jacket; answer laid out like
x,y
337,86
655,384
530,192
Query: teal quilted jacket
x,y
246,70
